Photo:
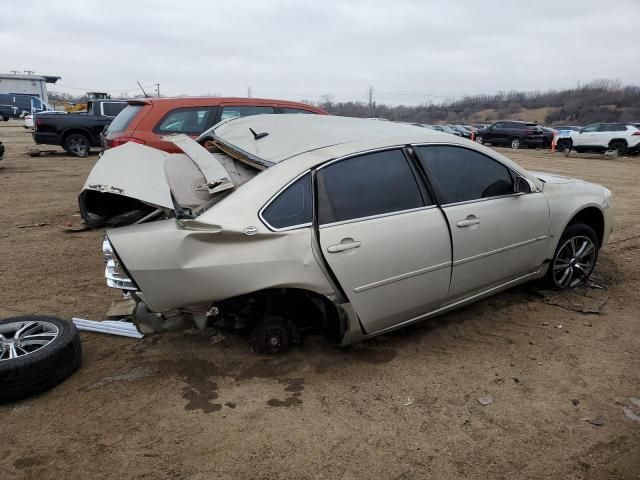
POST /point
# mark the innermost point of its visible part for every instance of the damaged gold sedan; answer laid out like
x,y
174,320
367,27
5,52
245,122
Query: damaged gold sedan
x,y
348,226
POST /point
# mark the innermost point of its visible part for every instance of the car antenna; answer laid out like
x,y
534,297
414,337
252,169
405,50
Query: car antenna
x,y
145,93
258,136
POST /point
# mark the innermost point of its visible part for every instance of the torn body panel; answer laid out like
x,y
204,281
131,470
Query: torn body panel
x,y
134,183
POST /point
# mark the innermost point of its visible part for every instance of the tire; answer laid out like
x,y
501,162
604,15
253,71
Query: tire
x,y
563,145
620,146
516,143
576,267
77,145
271,335
5,119
480,140
36,367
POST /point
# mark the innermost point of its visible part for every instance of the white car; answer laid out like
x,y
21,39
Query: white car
x,y
345,225
600,137
29,118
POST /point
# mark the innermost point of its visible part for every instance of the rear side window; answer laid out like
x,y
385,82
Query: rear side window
x,y
124,118
366,185
292,207
186,120
111,109
230,111
461,174
294,110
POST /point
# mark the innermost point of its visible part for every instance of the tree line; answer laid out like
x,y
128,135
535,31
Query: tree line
x,y
599,100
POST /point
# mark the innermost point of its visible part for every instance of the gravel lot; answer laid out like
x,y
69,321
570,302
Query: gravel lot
x,y
404,405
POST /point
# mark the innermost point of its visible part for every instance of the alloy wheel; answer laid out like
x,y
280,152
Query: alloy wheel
x,y
18,339
78,146
574,262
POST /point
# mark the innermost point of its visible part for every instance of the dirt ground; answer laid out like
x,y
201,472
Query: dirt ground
x,y
560,369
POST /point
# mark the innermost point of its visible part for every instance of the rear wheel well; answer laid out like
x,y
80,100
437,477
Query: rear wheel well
x,y
307,311
68,133
593,217
616,140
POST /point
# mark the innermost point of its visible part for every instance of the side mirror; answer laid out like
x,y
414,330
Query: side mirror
x,y
522,185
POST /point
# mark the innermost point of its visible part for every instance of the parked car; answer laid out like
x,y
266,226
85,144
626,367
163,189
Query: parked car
x,y
15,105
30,117
548,134
146,121
600,137
77,132
347,226
463,131
446,129
568,127
513,133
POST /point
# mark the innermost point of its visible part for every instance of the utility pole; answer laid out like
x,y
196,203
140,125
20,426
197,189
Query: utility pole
x,y
248,92
28,72
15,71
158,89
371,91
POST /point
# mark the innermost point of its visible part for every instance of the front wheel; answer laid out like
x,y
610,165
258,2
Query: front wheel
x,y
479,139
516,143
575,257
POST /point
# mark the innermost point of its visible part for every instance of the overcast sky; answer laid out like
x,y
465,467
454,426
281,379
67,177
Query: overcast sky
x,y
410,51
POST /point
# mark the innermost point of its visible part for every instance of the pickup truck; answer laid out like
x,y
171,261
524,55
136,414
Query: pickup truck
x,y
77,132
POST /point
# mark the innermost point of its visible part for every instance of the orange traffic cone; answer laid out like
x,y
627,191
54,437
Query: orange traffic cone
x,y
554,142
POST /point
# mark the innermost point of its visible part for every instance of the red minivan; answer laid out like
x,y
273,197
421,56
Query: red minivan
x,y
146,120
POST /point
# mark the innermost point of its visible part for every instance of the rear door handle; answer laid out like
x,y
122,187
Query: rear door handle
x,y
470,220
346,244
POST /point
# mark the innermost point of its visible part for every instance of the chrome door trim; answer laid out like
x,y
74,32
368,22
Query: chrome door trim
x,y
402,276
498,250
457,303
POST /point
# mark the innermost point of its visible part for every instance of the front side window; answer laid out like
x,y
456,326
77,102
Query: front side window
x,y
186,120
292,207
590,128
460,174
367,185
230,111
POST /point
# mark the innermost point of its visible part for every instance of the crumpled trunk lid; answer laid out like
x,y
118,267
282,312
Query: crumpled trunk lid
x,y
134,183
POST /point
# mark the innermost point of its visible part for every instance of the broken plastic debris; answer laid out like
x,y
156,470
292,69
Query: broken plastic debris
x,y
484,401
408,402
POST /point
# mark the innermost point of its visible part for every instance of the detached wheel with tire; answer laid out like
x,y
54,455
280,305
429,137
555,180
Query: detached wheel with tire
x,y
36,353
575,257
516,143
77,144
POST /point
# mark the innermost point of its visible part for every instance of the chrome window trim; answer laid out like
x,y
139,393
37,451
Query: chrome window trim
x,y
379,215
275,196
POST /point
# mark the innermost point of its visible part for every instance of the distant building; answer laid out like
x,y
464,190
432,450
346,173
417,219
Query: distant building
x,y
33,85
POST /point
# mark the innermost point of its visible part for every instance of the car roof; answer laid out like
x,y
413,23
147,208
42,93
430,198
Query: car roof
x,y
290,135
177,102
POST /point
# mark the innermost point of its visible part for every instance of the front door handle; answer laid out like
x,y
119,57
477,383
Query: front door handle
x,y
345,244
470,220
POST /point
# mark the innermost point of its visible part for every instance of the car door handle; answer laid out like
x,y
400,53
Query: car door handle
x,y
346,244
470,220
